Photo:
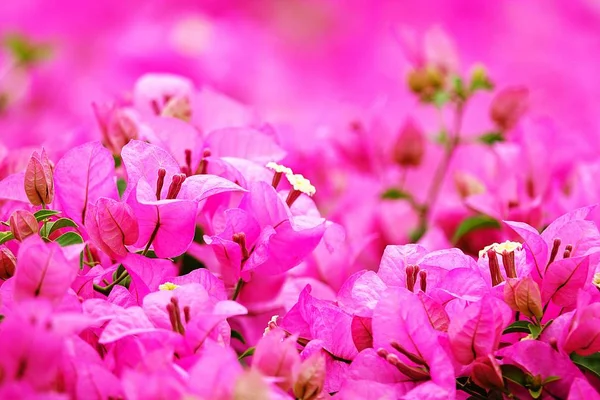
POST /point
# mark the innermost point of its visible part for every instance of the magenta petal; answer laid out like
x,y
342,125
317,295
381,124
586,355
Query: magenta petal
x,y
476,332
128,322
13,188
83,175
172,222
563,280
362,332
394,262
582,390
534,242
200,187
43,270
360,294
142,160
247,143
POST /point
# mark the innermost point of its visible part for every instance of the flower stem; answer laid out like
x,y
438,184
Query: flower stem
x,y
238,289
441,171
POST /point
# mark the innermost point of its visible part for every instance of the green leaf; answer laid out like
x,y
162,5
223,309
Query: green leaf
x,y
551,379
590,363
6,236
491,137
440,98
69,238
121,186
59,224
474,223
417,233
24,51
118,160
518,327
536,393
514,374
442,138
247,353
535,330
236,335
43,214
395,194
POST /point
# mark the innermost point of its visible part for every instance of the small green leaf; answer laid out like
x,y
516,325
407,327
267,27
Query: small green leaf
x,y
551,379
43,214
247,353
59,224
590,363
417,233
440,98
6,236
536,393
69,238
491,138
442,138
474,223
514,374
518,327
26,52
535,330
395,194
236,335
118,160
121,186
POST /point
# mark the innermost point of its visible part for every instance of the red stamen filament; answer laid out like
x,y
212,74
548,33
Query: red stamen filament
x,y
494,268
160,182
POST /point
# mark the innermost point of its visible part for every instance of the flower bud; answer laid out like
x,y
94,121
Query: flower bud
x,y
508,107
39,182
487,374
23,224
8,262
524,296
112,225
425,81
118,126
311,378
178,107
467,185
410,145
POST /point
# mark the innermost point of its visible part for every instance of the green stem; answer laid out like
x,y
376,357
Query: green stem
x,y
442,169
105,290
152,237
238,289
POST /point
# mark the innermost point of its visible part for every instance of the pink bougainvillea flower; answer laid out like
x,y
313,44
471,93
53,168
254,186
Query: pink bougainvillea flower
x,y
263,237
111,226
572,232
323,325
166,213
582,334
45,270
405,340
277,357
82,176
445,275
541,361
476,331
212,376
155,94
118,126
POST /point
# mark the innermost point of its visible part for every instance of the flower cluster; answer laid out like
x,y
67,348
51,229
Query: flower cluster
x,y
183,243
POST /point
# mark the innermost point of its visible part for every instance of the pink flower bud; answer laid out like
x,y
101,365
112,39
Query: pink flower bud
x,y
467,185
410,145
8,263
118,126
508,107
23,224
112,225
39,182
487,374
524,296
311,378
